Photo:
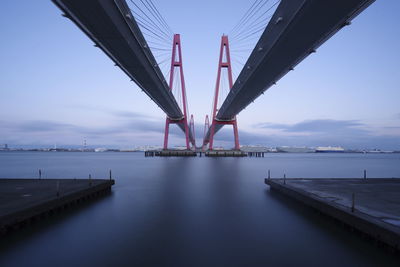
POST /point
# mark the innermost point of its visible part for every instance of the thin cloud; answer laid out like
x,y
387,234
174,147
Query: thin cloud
x,y
312,133
226,135
320,126
272,125
39,130
113,112
364,141
35,126
142,131
130,114
392,127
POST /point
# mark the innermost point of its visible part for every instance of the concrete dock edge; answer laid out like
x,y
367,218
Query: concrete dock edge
x,y
22,217
374,228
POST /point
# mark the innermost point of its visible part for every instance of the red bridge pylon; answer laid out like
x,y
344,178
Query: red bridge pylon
x,y
176,62
191,127
224,50
206,128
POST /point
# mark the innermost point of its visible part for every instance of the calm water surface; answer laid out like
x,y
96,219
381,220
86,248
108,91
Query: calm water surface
x,y
191,212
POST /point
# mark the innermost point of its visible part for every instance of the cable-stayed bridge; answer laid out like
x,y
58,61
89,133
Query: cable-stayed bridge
x,y
295,29
113,28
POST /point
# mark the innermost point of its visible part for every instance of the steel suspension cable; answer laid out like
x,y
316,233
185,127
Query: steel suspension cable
x,y
144,13
152,12
148,23
161,18
260,20
249,18
243,17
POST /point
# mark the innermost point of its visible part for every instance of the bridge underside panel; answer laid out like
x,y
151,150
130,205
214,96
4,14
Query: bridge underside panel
x,y
296,29
111,25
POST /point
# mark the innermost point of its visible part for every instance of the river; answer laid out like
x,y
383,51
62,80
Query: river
x,y
192,212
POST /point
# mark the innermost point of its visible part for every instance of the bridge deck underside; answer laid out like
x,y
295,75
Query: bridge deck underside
x,y
112,27
296,29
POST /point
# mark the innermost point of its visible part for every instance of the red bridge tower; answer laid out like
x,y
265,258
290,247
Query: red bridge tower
x,y
224,50
176,62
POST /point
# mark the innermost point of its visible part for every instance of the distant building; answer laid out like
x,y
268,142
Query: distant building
x,y
4,148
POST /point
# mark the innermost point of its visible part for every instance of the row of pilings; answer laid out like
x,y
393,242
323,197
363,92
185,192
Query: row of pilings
x,y
208,153
256,154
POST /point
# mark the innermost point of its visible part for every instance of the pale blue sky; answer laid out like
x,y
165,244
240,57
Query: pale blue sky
x,y
55,87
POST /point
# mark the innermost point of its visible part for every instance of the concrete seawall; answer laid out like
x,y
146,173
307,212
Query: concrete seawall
x,y
26,200
371,206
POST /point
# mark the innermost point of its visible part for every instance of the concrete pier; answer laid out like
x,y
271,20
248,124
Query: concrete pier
x,y
225,153
170,153
25,200
208,153
371,206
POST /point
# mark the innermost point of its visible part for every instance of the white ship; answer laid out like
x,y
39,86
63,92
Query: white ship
x,y
289,149
329,149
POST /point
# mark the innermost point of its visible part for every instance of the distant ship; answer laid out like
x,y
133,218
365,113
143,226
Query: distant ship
x,y
329,149
289,149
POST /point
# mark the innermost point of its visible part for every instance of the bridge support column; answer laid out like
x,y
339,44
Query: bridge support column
x,y
191,128
224,62
206,128
176,62
235,132
166,133
168,121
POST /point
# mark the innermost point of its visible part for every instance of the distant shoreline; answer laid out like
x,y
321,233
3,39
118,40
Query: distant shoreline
x,y
141,151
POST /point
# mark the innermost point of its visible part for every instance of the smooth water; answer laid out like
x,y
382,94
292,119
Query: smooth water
x,y
192,212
